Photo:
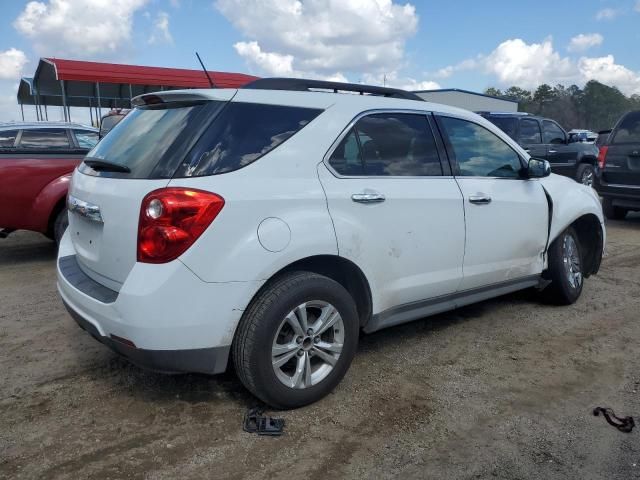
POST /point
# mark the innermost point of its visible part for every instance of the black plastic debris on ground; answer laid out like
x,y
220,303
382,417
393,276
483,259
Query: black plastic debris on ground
x,y
624,424
256,422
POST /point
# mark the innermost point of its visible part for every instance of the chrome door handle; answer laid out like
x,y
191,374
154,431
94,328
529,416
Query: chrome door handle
x,y
368,197
479,199
553,151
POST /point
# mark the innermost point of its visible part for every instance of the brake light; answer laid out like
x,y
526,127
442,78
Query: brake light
x,y
602,156
172,219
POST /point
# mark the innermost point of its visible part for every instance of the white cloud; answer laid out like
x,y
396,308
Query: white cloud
x,y
607,14
607,71
161,33
583,42
79,28
321,37
514,62
12,63
274,64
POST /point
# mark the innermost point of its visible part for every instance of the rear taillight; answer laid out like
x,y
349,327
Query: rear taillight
x,y
171,219
602,156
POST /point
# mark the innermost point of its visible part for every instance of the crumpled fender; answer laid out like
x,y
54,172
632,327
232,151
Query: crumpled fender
x,y
571,200
43,205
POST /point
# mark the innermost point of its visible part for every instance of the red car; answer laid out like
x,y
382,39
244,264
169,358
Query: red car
x,y
36,162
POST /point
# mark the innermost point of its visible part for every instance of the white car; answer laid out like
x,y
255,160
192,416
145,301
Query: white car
x,y
269,225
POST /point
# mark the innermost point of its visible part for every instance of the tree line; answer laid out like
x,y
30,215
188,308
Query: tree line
x,y
595,107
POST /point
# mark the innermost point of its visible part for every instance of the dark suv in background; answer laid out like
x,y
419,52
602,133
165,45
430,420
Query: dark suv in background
x,y
544,138
618,173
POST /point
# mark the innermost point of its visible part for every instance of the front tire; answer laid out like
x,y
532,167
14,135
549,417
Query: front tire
x,y
60,224
296,340
565,269
612,212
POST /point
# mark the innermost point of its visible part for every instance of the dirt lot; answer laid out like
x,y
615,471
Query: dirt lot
x,y
503,389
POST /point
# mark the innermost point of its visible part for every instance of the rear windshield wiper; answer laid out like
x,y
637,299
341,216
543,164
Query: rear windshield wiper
x,y
104,166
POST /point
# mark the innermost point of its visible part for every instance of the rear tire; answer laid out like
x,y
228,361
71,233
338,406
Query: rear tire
x,y
60,225
565,269
270,342
585,174
612,212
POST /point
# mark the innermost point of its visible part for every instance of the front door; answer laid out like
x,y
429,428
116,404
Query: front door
x,y
506,215
396,215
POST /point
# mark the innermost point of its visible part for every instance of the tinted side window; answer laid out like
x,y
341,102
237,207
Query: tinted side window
x,y
8,138
86,138
530,131
242,133
44,138
552,132
478,152
629,129
506,124
398,144
346,159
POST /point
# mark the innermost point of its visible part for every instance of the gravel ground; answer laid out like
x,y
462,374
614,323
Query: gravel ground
x,y
502,389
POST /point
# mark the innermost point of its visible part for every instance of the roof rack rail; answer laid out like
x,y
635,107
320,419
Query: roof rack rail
x,y
306,85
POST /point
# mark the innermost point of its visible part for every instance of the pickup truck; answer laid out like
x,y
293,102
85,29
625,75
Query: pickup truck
x,y
36,163
543,138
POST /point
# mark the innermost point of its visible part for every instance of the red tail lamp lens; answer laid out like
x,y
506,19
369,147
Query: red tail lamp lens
x,y
602,156
172,219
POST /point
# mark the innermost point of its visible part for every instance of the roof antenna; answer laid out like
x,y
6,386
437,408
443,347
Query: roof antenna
x,y
211,84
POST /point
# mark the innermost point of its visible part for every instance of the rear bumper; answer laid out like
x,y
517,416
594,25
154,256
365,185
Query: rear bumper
x,y
626,196
176,322
200,360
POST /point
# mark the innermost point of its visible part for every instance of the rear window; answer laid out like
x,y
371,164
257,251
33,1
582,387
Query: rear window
x,y
629,129
8,138
44,138
506,124
187,139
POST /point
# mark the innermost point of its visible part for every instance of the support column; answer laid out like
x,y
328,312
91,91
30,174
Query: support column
x,y
99,103
64,100
22,110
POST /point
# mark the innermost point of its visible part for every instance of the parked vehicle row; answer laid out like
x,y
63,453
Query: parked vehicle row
x,y
268,225
545,138
36,161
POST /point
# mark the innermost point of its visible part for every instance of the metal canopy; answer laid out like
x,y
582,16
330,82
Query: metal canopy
x,y
73,83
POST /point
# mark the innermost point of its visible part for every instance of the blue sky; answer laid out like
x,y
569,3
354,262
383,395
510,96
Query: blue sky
x,y
412,44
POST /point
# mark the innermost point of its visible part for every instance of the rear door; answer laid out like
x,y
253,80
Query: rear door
x,y
530,137
622,166
397,212
506,216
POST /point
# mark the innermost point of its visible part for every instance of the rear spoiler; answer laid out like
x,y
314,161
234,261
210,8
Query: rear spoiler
x,y
183,96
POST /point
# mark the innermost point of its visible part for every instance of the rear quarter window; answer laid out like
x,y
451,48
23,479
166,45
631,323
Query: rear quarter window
x,y
242,133
507,124
629,129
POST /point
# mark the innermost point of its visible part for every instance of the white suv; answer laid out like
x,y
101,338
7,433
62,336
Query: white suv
x,y
271,224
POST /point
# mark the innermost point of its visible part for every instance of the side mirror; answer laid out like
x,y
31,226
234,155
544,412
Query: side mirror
x,y
538,168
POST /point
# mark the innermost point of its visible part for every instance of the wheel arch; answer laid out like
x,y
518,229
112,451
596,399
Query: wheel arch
x,y
339,269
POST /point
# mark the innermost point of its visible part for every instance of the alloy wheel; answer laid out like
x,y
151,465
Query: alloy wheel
x,y
307,344
571,261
